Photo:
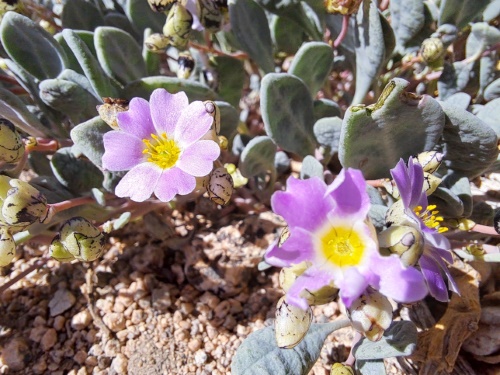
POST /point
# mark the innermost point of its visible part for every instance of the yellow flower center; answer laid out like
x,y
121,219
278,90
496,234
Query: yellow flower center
x,y
430,218
342,246
161,150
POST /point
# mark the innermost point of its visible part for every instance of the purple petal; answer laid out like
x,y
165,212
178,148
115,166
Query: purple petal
x,y
303,204
193,9
137,120
174,181
193,124
122,151
166,109
198,159
403,284
311,279
352,285
297,248
417,184
349,191
434,278
444,267
139,183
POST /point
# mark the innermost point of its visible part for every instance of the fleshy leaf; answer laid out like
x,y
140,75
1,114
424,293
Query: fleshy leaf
x,y
258,157
13,109
493,90
119,54
142,17
286,34
312,64
120,21
459,12
230,78
399,125
151,59
326,108
249,25
407,19
327,131
87,37
311,167
260,355
453,197
490,114
229,119
287,112
30,46
88,139
375,367
81,15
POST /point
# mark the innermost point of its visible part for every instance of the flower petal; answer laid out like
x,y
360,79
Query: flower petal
x,y
433,278
166,109
139,183
303,204
122,151
352,285
198,159
137,120
311,279
297,248
349,191
174,181
193,123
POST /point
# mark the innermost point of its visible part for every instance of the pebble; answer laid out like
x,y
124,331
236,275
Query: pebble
x,y
48,340
59,322
16,354
81,320
119,364
80,357
194,345
62,300
161,299
37,333
200,357
114,321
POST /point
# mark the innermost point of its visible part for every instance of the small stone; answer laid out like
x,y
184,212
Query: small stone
x,y
59,322
61,301
80,357
122,335
39,321
82,371
200,357
16,354
114,321
161,299
81,320
40,366
194,345
138,316
37,333
49,339
91,361
111,348
119,364
222,309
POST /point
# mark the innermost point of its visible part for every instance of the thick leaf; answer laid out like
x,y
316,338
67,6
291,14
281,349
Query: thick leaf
x,y
77,174
30,46
79,79
326,108
120,21
230,78
311,167
453,197
460,99
493,90
89,64
287,112
249,25
119,54
282,162
399,125
258,157
286,34
81,15
491,11
459,12
142,17
13,109
229,119
260,355
454,78
399,340
88,139
312,64
88,39
407,19
469,145
151,59
327,131
375,367
490,114
145,86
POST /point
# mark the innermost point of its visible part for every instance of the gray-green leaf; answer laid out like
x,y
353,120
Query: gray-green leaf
x,y
258,157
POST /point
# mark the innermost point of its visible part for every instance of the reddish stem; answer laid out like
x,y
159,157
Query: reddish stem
x,y
343,32
237,55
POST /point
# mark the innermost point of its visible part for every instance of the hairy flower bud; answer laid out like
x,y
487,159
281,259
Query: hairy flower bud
x,y
157,43
220,186
178,26
186,65
344,7
291,324
11,143
432,51
340,369
7,247
81,239
405,241
22,204
371,314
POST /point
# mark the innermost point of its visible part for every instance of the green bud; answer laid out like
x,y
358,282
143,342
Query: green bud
x,y
432,51
157,43
7,247
161,5
291,324
340,369
211,15
22,205
220,186
371,314
178,26
186,65
405,241
214,111
81,239
110,109
238,179
430,160
11,143
344,7
59,252
288,275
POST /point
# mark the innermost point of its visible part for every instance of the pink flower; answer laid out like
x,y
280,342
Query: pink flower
x,y
159,143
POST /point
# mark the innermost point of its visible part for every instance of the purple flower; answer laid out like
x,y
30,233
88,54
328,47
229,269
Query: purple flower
x,y
437,249
329,229
160,145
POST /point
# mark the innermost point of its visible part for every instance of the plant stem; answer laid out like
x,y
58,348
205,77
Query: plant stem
x,y
343,32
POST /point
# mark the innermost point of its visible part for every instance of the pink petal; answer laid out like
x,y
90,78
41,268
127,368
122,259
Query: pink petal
x,y
122,151
297,248
139,183
197,159
193,123
166,108
349,191
312,279
352,285
174,181
137,120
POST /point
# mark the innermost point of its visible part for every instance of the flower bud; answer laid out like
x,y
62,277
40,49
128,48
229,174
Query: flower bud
x,y
178,26
432,51
186,65
81,239
238,179
161,5
291,324
214,111
11,143
7,247
59,252
223,143
344,7
288,275
340,369
22,205
371,314
157,43
210,15
109,110
430,160
220,186
431,183
405,241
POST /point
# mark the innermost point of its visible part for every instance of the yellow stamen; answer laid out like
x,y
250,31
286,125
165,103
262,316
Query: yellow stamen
x,y
430,218
161,150
342,246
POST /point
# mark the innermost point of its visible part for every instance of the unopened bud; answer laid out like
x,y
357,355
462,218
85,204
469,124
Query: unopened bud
x,y
223,143
288,275
186,65
371,314
432,51
340,369
210,14
82,239
109,110
344,7
238,179
405,241
11,143
214,111
157,43
161,5
59,252
220,186
431,183
430,160
178,26
291,324
7,247
23,204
